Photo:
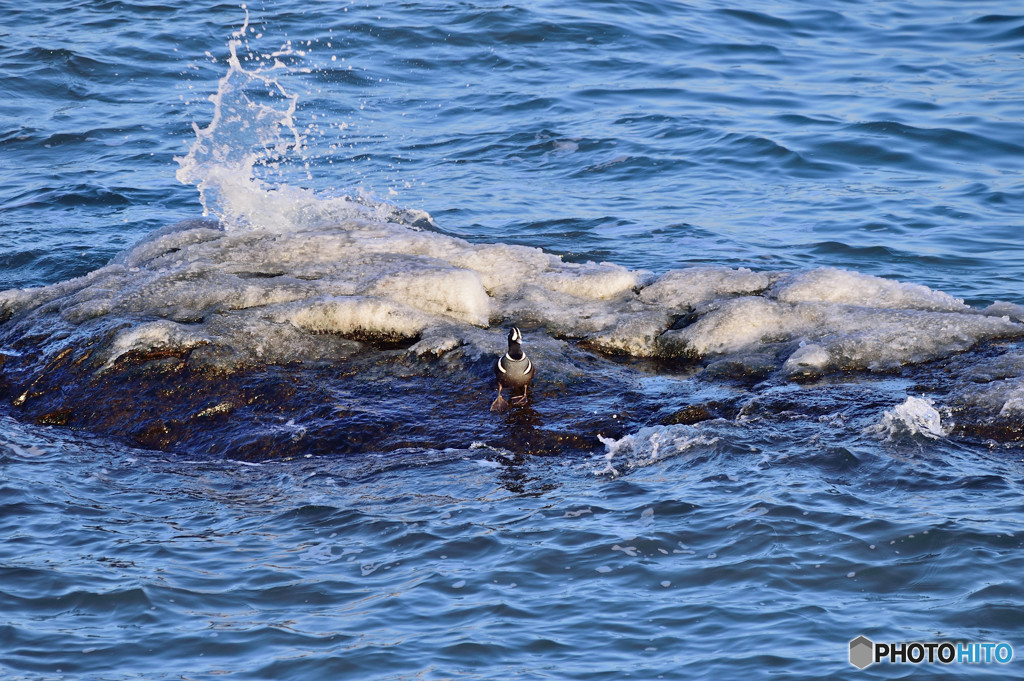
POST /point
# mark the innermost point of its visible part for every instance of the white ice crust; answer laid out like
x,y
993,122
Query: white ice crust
x,y
256,290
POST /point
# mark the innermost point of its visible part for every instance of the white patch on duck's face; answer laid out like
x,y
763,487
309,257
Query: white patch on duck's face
x,y
515,336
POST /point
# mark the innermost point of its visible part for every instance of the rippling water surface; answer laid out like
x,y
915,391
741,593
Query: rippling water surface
x,y
621,528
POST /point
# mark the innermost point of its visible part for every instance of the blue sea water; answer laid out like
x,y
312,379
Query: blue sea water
x,y
883,138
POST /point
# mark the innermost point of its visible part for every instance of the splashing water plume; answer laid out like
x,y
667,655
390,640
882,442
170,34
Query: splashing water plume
x,y
916,416
253,125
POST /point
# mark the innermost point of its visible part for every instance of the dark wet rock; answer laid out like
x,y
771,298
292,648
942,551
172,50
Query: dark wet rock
x,y
60,417
389,400
695,413
747,368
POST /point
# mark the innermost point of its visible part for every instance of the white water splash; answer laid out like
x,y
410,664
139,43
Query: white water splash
x,y
650,445
253,124
916,416
238,162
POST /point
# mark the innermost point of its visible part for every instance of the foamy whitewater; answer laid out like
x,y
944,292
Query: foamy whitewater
x,y
764,260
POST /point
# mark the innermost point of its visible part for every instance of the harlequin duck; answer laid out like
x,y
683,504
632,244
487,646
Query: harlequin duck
x,y
513,370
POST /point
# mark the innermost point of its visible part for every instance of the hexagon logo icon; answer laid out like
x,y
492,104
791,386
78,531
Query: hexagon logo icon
x,y
862,652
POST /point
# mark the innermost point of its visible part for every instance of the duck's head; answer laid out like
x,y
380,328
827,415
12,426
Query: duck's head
x,y
514,337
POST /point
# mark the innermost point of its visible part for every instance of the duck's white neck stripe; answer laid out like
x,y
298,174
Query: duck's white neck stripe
x,y
501,368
